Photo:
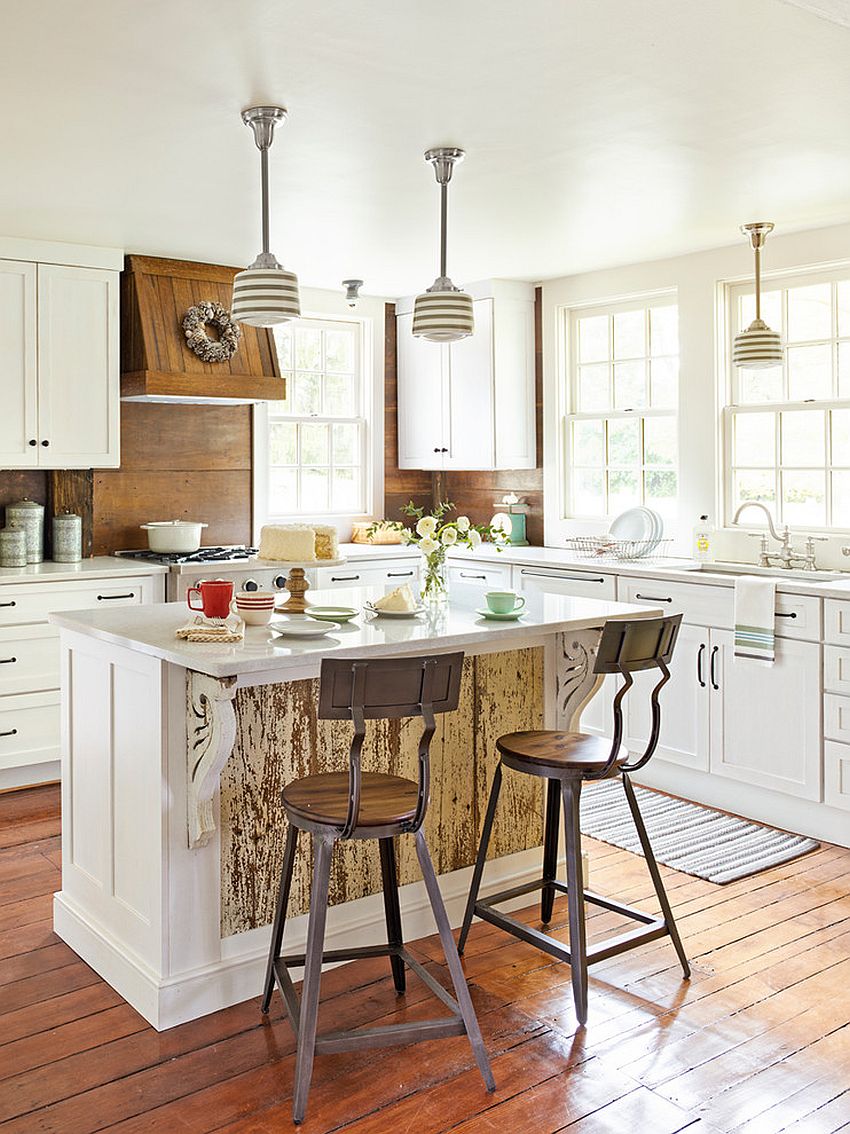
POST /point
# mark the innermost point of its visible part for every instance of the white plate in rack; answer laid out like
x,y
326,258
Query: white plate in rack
x,y
635,523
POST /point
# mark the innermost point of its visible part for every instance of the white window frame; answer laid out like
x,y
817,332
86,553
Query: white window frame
x,y
369,405
568,383
730,408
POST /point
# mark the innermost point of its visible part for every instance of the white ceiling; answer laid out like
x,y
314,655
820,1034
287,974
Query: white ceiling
x,y
598,132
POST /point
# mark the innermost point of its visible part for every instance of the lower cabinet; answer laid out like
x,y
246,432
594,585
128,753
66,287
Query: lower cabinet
x,y
386,574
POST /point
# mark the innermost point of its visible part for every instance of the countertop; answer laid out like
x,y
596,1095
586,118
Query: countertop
x,y
100,567
150,630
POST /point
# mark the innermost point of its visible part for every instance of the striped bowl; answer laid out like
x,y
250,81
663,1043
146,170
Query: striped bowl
x,y
265,296
443,316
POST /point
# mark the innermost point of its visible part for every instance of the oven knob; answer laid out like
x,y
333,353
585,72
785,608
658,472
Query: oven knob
x,y
250,585
279,582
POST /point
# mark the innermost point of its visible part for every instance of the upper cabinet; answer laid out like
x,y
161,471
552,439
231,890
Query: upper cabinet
x,y
470,404
60,368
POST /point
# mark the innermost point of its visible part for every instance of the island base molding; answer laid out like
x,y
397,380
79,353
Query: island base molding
x,y
238,974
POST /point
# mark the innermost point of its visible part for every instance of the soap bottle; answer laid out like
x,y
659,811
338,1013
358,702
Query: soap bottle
x,y
703,534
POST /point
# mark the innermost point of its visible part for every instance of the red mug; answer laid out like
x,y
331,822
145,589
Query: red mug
x,y
215,596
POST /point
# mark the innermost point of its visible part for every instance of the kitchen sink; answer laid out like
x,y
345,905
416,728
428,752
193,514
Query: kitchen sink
x,y
796,573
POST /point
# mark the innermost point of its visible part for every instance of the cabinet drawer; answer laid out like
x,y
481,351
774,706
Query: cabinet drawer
x,y
836,775
29,659
836,717
481,575
393,574
33,602
701,605
579,584
836,622
798,616
836,669
29,729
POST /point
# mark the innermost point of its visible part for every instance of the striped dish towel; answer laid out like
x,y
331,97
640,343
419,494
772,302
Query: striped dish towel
x,y
755,603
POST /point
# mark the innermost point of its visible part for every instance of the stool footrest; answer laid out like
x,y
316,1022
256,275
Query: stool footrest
x,y
650,930
388,1036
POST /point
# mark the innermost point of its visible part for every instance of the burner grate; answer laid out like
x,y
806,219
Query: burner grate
x,y
203,555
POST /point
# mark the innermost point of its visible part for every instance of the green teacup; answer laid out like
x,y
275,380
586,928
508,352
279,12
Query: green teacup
x,y
503,602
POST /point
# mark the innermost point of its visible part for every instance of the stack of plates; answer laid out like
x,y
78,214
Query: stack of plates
x,y
639,524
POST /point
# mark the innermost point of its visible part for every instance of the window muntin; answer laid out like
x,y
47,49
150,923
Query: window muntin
x,y
317,436
787,428
621,435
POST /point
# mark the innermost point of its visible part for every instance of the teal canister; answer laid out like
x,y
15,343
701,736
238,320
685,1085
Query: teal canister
x,y
28,516
67,538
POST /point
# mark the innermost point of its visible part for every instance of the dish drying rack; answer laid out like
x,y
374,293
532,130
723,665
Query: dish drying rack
x,y
606,547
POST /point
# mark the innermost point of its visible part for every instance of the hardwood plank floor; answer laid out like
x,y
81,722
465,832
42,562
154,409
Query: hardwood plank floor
x,y
757,1042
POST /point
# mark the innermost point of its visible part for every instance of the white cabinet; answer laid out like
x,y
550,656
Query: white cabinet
x,y
370,573
470,404
60,370
18,369
554,581
485,576
766,720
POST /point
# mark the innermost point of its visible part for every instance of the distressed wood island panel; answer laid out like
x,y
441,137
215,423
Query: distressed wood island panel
x,y
279,739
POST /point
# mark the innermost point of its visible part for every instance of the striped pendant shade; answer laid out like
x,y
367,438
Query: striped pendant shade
x,y
758,347
265,296
443,316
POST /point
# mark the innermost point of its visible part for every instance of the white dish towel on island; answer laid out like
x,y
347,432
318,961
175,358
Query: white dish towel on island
x,y
755,604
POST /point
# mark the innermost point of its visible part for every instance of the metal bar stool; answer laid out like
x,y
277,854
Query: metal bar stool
x,y
368,805
566,760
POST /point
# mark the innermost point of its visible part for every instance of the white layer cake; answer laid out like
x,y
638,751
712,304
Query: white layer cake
x,y
298,543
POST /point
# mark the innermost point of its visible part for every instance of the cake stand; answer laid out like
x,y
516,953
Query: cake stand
x,y
296,582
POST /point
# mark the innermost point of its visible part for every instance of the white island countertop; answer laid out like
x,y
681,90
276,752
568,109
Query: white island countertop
x,y
151,630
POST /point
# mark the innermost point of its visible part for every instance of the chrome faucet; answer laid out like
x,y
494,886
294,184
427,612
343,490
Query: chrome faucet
x,y
787,555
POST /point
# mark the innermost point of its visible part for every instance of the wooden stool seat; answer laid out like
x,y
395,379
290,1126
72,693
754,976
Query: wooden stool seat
x,y
385,800
563,750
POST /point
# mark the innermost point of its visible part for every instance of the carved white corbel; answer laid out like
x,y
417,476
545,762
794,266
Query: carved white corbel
x,y
575,681
211,733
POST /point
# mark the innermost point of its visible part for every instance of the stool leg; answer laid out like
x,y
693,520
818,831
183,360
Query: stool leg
x,y
392,910
453,961
322,847
280,911
477,873
571,791
655,874
550,848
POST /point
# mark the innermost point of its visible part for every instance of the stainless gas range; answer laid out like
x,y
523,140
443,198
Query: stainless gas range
x,y
237,563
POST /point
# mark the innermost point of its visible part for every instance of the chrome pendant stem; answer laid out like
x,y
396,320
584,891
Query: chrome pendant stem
x,y
264,178
444,213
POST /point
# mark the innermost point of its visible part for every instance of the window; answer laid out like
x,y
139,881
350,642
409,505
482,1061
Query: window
x,y
317,437
621,434
787,429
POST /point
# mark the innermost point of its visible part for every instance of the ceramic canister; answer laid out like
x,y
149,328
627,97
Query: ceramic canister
x,y
28,516
13,547
67,538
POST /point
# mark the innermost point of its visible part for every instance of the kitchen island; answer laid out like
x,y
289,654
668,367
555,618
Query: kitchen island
x,y
174,755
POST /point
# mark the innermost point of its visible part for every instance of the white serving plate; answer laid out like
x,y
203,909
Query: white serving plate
x,y
394,613
301,627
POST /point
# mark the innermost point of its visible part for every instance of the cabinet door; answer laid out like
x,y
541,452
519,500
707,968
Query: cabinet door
x,y
766,720
684,704
18,419
470,425
78,375
516,425
421,435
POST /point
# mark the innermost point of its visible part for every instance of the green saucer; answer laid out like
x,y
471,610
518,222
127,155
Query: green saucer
x,y
331,613
509,616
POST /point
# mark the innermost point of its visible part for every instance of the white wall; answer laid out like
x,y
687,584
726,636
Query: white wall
x,y
698,280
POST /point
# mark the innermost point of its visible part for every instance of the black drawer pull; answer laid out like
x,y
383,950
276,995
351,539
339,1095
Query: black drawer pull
x,y
7,661
111,598
713,667
13,603
344,578
399,574
11,732
562,575
467,575
652,598
700,654
786,614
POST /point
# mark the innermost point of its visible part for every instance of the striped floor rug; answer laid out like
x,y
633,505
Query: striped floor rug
x,y
687,836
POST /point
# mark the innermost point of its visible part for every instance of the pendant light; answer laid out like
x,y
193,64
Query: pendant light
x,y
265,293
757,348
443,313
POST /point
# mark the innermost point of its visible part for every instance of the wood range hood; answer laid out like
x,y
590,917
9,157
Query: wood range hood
x,y
156,363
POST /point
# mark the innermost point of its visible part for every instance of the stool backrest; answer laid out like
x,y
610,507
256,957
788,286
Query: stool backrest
x,y
628,646
386,689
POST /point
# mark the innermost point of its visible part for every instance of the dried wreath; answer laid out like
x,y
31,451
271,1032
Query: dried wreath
x,y
195,322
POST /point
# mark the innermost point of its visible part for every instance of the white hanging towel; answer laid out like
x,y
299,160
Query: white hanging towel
x,y
755,604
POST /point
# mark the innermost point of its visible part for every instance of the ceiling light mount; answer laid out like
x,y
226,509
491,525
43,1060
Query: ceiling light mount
x,y
352,291
758,347
444,312
265,293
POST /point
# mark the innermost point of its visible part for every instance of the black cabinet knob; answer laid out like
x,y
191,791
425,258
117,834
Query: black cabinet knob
x,y
45,443
33,441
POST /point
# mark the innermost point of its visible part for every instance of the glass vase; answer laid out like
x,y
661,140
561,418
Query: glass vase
x,y
435,578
